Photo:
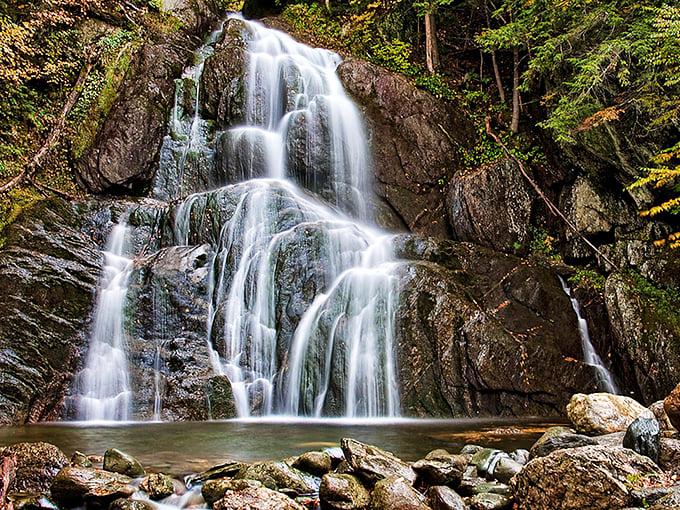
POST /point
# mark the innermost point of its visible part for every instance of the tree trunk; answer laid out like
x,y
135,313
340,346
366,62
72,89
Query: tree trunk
x,y
514,124
497,74
431,50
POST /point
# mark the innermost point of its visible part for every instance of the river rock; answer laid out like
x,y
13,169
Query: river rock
x,y
604,413
396,492
79,459
227,469
35,464
343,492
278,476
373,464
130,504
28,501
158,486
505,469
521,456
72,486
214,490
441,469
49,271
445,498
546,446
483,209
486,501
644,436
671,405
669,453
486,461
120,462
260,498
316,463
415,138
490,488
592,477
613,439
659,412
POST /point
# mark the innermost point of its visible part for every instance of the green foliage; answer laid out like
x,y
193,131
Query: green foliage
x,y
395,56
665,302
542,243
436,85
587,279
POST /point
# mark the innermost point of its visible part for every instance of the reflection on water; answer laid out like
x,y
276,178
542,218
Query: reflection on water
x,y
189,447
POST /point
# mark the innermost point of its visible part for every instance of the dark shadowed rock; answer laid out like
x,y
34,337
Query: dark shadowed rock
x,y
484,209
373,464
343,492
445,498
643,436
36,464
120,462
396,492
259,498
415,140
48,276
591,477
73,486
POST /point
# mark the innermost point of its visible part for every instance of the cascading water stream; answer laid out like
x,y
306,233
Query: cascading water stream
x,y
105,385
590,355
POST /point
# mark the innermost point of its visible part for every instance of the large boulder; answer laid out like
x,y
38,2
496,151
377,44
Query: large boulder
x,y
484,209
35,464
48,275
373,464
339,491
415,140
484,333
593,477
643,436
74,486
445,498
396,492
604,413
441,469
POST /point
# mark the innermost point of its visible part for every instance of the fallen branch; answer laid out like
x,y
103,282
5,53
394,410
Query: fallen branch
x,y
551,207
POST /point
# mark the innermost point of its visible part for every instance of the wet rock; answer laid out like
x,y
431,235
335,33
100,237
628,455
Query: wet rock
x,y
470,449
604,413
79,459
336,454
415,139
643,436
550,444
671,404
278,476
27,501
669,453
74,486
130,504
35,464
461,317
373,464
613,439
486,501
120,462
505,469
491,488
343,492
483,209
648,496
486,461
591,477
49,271
521,456
445,498
221,471
260,498
396,492
316,463
214,490
441,469
157,486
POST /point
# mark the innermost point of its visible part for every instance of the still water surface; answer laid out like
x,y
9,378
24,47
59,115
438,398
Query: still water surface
x,y
189,447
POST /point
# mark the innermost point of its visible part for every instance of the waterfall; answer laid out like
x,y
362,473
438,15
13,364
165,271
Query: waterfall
x,y
590,355
302,292
104,383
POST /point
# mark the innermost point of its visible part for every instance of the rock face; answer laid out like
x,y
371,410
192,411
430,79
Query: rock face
x,y
415,141
471,340
484,209
604,413
124,154
48,276
36,464
562,481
